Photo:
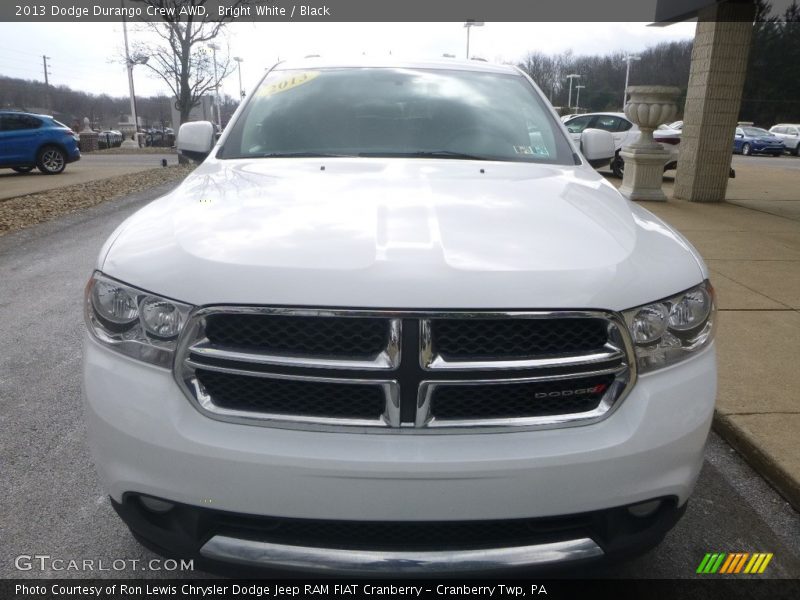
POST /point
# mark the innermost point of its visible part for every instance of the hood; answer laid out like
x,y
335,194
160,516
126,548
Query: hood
x,y
400,233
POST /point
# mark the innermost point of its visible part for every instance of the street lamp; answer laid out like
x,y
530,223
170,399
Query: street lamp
x,y
240,60
571,77
214,49
470,23
628,59
578,96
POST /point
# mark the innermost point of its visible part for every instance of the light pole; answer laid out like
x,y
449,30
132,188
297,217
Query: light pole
x,y
628,59
240,60
571,77
470,23
130,63
214,49
578,96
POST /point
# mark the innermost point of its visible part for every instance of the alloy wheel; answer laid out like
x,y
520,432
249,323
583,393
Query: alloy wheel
x,y
52,161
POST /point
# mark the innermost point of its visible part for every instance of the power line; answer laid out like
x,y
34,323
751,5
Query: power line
x,y
20,51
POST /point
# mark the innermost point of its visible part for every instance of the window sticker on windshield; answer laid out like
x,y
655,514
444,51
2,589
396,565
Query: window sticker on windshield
x,y
537,150
287,83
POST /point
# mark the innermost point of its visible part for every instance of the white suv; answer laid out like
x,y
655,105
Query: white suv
x,y
790,134
395,322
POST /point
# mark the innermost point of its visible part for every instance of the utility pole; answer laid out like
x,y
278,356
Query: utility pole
x,y
44,62
46,79
214,49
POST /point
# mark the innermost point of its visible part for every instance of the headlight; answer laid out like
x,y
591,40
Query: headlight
x,y
114,304
673,329
133,322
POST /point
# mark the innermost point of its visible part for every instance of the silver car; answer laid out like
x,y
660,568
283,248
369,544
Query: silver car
x,y
790,134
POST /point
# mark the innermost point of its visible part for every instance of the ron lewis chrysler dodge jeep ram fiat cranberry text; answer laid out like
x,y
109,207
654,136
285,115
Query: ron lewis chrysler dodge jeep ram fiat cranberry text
x,y
395,322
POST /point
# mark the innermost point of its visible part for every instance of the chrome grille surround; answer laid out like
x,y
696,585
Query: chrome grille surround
x,y
386,370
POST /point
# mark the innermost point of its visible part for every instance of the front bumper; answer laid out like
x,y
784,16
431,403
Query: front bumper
x,y
219,540
768,148
148,439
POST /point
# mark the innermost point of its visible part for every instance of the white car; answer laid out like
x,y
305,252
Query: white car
x,y
624,132
790,134
383,328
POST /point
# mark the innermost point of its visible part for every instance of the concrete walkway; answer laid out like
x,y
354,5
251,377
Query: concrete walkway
x,y
754,258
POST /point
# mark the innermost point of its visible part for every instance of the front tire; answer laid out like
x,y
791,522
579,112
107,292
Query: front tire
x,y
746,149
51,161
22,170
797,150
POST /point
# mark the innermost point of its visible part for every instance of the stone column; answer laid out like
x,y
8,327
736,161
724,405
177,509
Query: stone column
x,y
649,106
716,81
89,139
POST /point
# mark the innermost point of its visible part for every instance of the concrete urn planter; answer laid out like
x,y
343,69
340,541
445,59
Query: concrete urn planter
x,y
649,106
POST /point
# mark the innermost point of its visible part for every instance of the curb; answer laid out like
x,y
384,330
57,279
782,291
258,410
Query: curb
x,y
766,466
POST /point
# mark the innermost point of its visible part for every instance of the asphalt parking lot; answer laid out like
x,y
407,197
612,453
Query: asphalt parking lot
x,y
53,503
89,168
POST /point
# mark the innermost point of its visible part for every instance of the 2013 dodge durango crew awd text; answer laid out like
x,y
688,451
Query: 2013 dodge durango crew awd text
x,y
395,322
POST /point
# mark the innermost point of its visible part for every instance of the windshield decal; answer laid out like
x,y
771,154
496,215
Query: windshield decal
x,y
288,83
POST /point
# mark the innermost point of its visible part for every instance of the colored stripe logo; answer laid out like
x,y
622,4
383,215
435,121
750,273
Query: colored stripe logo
x,y
734,563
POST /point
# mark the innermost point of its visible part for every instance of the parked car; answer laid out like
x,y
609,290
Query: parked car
x,y
790,134
29,140
395,322
754,140
624,132
110,138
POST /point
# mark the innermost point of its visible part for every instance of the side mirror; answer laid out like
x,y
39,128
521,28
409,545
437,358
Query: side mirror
x,y
195,140
597,146
739,135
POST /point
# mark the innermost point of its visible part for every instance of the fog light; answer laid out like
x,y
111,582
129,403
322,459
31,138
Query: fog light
x,y
645,509
155,505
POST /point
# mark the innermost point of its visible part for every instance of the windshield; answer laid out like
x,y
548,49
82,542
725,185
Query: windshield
x,y
397,112
755,131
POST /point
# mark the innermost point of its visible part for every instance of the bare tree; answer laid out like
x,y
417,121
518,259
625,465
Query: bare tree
x,y
180,56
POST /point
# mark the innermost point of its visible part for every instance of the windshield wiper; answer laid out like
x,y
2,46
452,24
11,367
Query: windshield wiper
x,y
426,154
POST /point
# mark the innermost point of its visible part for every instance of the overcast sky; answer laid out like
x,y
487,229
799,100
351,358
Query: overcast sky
x,y
83,54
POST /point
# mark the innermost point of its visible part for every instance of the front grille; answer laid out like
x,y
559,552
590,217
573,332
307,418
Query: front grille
x,y
301,335
292,397
456,339
391,370
519,400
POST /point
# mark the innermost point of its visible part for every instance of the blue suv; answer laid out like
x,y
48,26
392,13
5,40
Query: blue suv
x,y
28,141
